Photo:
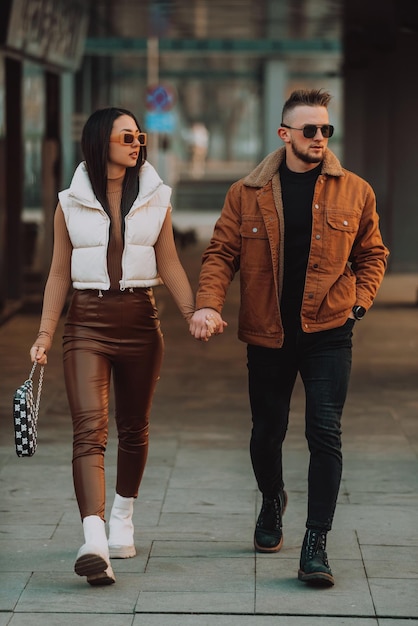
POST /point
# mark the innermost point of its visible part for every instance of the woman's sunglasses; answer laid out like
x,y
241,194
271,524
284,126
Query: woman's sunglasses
x,y
310,130
125,138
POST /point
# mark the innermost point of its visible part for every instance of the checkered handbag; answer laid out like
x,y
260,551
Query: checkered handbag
x,y
25,414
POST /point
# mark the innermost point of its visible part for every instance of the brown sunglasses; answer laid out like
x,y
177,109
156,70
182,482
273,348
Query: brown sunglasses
x,y
125,138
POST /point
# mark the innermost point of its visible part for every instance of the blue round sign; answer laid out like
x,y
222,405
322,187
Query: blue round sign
x,y
159,98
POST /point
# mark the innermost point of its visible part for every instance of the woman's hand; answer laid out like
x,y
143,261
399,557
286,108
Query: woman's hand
x,y
205,323
38,355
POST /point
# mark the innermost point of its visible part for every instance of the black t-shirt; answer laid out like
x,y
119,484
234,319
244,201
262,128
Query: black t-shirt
x,y
297,195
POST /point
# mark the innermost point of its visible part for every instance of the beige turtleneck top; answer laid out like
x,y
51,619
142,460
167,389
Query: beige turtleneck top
x,y
59,279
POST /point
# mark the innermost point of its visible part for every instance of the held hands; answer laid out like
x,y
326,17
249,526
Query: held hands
x,y
205,323
38,354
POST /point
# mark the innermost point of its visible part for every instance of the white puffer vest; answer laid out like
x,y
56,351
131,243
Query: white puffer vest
x,y
88,228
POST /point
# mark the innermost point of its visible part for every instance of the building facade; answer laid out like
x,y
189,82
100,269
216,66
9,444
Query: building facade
x,y
224,68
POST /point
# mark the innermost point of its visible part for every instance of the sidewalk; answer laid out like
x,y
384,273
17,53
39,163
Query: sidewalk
x,y
198,503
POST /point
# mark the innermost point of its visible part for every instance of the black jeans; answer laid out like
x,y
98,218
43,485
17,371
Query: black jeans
x,y
323,360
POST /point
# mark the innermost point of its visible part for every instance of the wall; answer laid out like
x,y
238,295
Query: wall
x,y
380,103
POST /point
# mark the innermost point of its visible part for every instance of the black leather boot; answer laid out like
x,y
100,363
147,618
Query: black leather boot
x,y
268,536
314,567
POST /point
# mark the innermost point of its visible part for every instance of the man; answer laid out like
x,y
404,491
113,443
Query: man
x,y
304,234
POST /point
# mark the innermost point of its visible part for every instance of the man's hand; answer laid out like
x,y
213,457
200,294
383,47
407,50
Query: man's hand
x,y
205,323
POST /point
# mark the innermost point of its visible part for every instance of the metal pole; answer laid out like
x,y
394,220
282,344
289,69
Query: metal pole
x,y
152,81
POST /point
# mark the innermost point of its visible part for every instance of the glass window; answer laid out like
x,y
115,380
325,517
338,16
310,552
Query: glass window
x,y
33,133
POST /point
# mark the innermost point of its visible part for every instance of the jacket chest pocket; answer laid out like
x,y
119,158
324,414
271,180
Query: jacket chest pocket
x,y
255,248
340,231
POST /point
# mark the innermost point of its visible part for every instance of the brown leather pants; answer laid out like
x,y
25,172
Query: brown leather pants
x,y
119,334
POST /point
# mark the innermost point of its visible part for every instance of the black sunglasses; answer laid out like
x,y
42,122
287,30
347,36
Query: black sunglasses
x,y
310,130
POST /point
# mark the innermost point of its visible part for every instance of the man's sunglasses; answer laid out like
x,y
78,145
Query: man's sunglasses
x,y
310,130
125,138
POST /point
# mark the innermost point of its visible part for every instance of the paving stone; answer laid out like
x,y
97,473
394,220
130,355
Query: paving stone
x,y
195,515
278,590
395,597
73,619
11,586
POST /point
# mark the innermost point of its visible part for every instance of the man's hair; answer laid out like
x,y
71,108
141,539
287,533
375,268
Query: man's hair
x,y
306,97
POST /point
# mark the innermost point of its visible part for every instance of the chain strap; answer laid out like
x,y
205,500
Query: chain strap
x,y
40,381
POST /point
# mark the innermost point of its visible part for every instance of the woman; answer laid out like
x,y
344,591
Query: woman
x,y
113,241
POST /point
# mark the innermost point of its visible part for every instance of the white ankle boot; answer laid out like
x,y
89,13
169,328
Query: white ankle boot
x,y
93,556
121,528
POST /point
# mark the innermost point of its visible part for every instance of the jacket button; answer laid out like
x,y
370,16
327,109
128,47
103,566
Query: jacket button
x,y
317,236
315,265
345,223
310,296
255,230
316,206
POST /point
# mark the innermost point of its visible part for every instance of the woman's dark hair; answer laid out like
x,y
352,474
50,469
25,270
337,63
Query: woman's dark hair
x,y
95,147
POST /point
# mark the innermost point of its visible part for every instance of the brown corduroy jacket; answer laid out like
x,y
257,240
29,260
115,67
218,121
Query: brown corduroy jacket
x,y
347,258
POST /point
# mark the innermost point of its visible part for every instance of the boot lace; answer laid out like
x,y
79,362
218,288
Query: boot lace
x,y
315,546
271,514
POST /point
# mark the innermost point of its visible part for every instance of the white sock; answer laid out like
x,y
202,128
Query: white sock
x,y
121,528
95,533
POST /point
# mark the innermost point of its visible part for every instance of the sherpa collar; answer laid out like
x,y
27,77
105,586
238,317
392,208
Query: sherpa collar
x,y
265,171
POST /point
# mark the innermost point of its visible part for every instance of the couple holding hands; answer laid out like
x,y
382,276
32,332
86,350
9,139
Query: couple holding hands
x,y
303,233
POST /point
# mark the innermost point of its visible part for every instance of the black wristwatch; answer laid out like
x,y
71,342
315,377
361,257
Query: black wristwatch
x,y
359,312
